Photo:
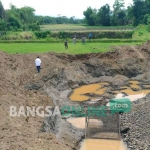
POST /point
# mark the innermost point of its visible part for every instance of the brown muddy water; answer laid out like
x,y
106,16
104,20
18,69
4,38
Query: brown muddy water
x,y
133,89
79,93
86,92
99,144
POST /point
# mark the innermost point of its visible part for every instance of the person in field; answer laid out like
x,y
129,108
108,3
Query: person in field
x,y
90,36
66,44
74,40
38,64
83,40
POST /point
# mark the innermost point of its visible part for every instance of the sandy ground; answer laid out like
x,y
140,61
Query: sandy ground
x,y
80,122
96,144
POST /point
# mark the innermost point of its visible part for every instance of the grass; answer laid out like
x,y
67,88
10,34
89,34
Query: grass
x,y
13,48
82,28
142,32
60,27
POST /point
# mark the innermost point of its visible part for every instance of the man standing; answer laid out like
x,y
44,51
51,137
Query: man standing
x,y
83,40
74,40
90,36
38,64
66,44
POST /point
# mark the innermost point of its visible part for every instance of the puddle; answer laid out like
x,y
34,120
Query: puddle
x,y
134,84
79,94
131,92
79,122
94,91
99,144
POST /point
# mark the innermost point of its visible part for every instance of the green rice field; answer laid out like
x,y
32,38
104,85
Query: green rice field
x,y
78,48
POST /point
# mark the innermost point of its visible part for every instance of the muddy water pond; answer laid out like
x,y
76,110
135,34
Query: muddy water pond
x,y
132,90
93,91
79,94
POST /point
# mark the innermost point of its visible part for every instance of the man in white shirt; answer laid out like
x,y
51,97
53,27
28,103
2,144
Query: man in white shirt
x,y
38,64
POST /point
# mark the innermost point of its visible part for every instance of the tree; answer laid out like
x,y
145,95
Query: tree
x,y
146,19
2,11
118,12
103,15
121,18
129,15
90,16
2,25
26,14
146,12
2,18
118,5
73,20
13,22
138,11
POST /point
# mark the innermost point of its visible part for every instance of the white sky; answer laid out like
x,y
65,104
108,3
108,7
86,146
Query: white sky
x,y
63,7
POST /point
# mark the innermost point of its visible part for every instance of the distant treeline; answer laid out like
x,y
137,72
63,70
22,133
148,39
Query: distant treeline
x,y
24,19
58,20
135,14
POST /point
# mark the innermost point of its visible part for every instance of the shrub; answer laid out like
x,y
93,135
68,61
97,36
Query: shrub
x,y
34,27
96,34
18,36
142,32
42,34
62,35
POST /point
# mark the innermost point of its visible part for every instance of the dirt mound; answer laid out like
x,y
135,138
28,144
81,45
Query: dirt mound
x,y
21,85
23,132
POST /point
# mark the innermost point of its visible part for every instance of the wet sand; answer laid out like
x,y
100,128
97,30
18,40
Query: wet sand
x,y
79,122
99,144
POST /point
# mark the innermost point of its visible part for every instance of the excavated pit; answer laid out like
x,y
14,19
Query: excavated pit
x,y
73,80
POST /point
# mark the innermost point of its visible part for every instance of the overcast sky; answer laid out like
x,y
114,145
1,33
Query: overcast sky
x,y
60,7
